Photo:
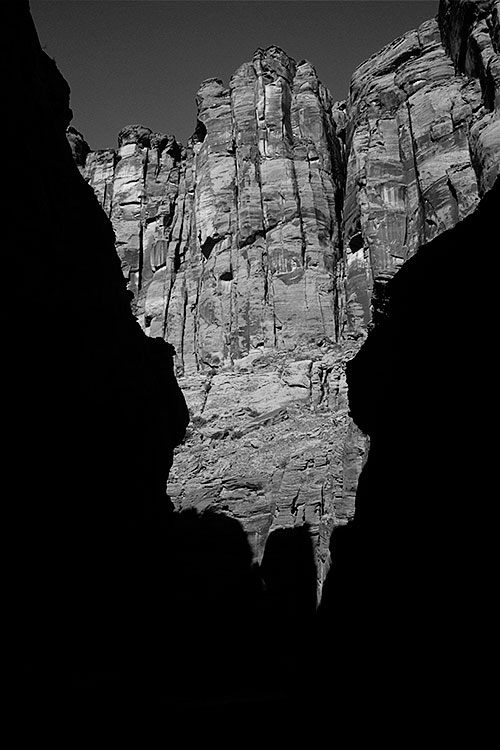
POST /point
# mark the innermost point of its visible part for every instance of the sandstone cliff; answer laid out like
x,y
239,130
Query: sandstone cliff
x,y
423,139
232,246
261,250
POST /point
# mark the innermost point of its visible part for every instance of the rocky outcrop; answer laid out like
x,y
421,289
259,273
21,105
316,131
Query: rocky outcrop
x,y
260,223
262,249
253,303
423,141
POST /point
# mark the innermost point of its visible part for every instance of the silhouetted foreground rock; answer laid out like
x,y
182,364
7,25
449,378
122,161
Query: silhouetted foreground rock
x,y
95,412
410,597
124,611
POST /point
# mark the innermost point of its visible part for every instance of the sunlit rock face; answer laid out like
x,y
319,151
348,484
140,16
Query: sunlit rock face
x,y
423,141
137,186
252,310
232,247
260,201
261,251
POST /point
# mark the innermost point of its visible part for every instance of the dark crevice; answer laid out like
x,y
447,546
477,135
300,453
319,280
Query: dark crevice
x,y
177,258
356,242
200,132
488,88
421,205
451,188
141,257
208,245
175,150
250,239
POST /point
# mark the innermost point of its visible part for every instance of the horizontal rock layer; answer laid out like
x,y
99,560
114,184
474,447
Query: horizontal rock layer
x,y
261,250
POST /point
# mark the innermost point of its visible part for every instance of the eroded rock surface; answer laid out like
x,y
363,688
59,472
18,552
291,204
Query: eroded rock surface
x,y
409,592
232,247
261,250
423,138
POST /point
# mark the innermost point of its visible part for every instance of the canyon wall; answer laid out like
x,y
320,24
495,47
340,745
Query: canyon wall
x,y
232,246
262,249
87,469
423,140
114,595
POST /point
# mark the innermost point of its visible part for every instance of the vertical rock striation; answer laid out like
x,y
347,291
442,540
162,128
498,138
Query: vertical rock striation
x,y
423,139
252,306
262,249
257,260
232,248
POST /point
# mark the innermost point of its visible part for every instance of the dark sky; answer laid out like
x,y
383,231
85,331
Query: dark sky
x,y
142,61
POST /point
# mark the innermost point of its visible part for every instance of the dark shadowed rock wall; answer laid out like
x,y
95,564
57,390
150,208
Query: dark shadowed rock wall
x,y
409,603
94,408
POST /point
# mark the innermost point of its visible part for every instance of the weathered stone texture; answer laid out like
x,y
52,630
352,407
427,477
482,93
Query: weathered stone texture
x,y
231,247
423,142
261,250
266,445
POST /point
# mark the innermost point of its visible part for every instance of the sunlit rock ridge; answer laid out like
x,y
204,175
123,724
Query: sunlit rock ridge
x,y
261,250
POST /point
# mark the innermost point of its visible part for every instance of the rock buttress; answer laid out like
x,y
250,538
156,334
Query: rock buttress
x,y
423,142
244,284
